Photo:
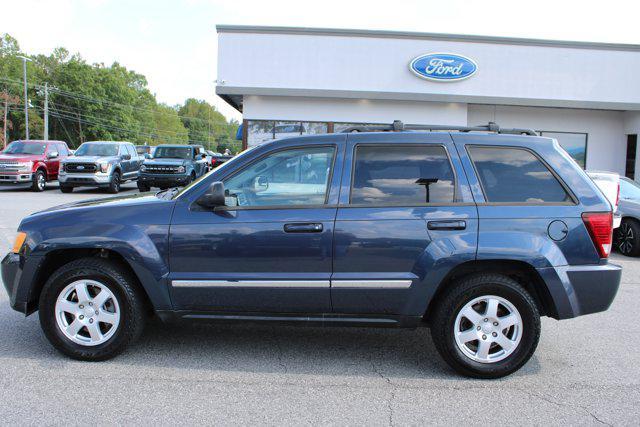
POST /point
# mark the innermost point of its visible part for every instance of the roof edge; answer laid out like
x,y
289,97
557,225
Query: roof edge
x,y
469,38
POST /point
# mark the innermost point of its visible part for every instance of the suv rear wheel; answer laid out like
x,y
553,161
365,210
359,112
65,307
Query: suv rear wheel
x,y
486,326
39,181
90,310
114,184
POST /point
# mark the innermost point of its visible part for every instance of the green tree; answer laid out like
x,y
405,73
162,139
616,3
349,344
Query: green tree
x,y
207,126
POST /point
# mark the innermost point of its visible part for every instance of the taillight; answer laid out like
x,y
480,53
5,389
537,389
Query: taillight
x,y
600,227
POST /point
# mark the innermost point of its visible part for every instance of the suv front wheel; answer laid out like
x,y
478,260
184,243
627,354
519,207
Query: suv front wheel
x,y
486,326
90,310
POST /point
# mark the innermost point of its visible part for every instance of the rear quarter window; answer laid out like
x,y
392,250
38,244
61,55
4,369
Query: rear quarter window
x,y
515,175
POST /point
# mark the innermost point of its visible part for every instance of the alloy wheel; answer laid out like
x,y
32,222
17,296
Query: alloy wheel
x,y
488,329
626,238
87,312
41,182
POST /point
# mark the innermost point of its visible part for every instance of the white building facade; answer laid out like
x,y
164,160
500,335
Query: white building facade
x,y
289,81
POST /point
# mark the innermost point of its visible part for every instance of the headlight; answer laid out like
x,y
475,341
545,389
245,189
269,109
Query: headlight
x,y
26,166
19,242
104,167
143,168
181,169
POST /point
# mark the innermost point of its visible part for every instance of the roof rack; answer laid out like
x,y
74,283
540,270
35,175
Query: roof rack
x,y
398,126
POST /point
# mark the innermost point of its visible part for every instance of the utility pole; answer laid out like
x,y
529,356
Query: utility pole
x,y
46,112
8,99
26,101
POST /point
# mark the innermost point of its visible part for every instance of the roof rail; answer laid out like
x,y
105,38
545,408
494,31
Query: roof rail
x,y
398,126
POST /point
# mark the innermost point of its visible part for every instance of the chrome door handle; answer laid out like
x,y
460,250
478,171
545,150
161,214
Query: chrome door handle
x,y
447,225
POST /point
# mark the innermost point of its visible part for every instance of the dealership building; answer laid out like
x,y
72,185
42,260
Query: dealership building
x,y
291,81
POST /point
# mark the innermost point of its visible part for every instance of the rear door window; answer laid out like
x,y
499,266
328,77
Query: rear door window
x,y
409,175
515,175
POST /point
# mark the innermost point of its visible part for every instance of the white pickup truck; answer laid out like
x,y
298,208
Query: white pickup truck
x,y
609,184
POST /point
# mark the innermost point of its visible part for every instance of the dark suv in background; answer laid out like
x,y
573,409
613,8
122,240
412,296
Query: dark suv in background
x,y
173,166
105,164
32,163
474,234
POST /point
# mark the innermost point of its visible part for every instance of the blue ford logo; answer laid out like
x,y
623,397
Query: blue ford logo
x,y
443,67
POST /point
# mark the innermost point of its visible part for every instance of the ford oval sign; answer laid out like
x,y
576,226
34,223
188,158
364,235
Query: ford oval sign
x,y
443,67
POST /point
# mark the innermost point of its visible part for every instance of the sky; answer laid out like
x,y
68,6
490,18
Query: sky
x,y
174,42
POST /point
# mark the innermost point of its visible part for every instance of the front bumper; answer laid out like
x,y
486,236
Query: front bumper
x,y
577,290
15,178
163,180
97,179
17,275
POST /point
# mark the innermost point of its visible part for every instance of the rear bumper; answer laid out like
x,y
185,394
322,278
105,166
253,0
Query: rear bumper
x,y
15,178
580,290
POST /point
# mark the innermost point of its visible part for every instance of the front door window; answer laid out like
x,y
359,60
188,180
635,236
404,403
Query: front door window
x,y
295,177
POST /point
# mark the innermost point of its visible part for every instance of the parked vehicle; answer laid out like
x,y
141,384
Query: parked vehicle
x,y
145,151
474,234
173,166
32,163
609,184
105,164
217,159
627,236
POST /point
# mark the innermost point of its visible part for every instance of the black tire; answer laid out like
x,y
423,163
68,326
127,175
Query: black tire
x,y
119,282
66,189
464,291
114,184
143,187
39,182
627,237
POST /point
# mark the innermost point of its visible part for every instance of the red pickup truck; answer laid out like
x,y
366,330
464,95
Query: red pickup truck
x,y
31,162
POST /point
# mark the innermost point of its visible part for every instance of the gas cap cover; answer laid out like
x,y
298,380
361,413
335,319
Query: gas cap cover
x,y
558,230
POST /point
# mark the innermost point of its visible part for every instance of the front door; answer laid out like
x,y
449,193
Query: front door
x,y
405,216
270,249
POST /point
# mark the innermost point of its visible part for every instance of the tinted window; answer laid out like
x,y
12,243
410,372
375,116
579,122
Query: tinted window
x,y
407,175
168,152
515,175
132,151
292,177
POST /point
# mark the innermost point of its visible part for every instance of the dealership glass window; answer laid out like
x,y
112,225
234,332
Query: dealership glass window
x,y
404,175
292,177
574,143
314,128
515,175
259,131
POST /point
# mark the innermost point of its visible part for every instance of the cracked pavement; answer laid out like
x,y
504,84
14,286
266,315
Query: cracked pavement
x,y
585,371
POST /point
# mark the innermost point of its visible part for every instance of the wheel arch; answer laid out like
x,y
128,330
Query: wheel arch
x,y
59,257
522,272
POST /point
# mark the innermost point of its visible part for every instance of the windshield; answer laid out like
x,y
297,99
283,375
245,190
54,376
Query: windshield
x,y
97,149
629,190
225,165
19,147
172,153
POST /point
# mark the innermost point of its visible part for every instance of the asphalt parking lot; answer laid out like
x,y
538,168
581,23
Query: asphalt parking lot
x,y
585,371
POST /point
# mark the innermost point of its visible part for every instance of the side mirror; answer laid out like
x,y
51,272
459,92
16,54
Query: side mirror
x,y
214,196
52,155
126,157
260,183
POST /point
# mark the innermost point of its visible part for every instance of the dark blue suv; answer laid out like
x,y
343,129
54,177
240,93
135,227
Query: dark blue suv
x,y
474,232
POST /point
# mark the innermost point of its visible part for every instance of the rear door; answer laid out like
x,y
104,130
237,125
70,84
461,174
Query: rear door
x,y
405,217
